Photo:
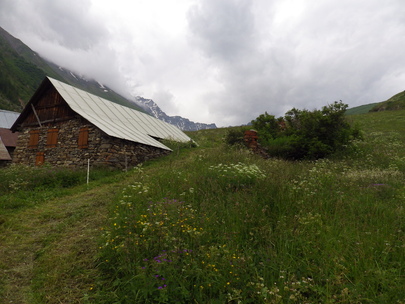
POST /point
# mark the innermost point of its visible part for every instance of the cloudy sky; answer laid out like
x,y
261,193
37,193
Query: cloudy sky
x,y
223,61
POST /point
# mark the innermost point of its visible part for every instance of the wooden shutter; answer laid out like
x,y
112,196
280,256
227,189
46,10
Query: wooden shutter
x,y
83,138
40,158
52,139
34,139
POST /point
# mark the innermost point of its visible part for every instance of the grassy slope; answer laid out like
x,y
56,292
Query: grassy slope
x,y
360,109
48,249
48,246
51,242
396,102
16,75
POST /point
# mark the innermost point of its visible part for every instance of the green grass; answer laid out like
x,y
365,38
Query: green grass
x,y
206,228
23,186
360,109
396,102
213,224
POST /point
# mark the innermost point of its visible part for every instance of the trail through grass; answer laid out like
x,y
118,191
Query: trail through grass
x,y
47,251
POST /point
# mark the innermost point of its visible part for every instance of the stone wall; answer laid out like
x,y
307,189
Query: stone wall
x,y
102,149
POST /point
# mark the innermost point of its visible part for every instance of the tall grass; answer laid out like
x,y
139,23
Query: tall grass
x,y
219,225
24,186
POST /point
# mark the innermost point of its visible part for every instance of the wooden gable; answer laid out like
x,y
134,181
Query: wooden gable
x,y
46,107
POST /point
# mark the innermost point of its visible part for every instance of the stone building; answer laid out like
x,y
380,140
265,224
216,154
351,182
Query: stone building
x,y
64,126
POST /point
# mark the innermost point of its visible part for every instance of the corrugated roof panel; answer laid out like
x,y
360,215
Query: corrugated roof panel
x,y
122,132
126,118
7,118
154,128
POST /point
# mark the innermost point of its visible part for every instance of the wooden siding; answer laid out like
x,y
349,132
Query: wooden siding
x,y
49,109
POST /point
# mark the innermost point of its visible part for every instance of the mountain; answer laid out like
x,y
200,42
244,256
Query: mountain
x,y
22,71
182,123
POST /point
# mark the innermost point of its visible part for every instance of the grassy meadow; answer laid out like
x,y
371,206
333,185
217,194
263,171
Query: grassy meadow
x,y
218,224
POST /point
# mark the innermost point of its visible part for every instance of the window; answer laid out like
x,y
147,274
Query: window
x,y
83,138
52,139
40,159
34,139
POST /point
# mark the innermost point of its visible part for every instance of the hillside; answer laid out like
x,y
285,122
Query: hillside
x,y
396,102
213,225
16,74
360,109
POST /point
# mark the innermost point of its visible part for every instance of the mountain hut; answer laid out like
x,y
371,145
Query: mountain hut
x,y
65,126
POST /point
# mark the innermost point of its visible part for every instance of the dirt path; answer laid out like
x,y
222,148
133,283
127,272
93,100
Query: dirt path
x,y
47,252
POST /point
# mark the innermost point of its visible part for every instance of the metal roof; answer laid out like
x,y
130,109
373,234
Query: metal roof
x,y
7,118
117,120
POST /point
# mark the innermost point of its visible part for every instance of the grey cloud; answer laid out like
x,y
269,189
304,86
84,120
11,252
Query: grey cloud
x,y
223,29
333,51
67,23
72,24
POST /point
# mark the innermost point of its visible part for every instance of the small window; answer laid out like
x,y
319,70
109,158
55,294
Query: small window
x,y
83,138
40,159
52,139
34,139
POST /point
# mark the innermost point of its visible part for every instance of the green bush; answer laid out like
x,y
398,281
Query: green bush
x,y
235,136
269,126
304,134
280,146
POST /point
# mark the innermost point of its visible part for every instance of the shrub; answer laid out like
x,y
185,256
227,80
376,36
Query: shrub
x,y
304,134
235,136
269,126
